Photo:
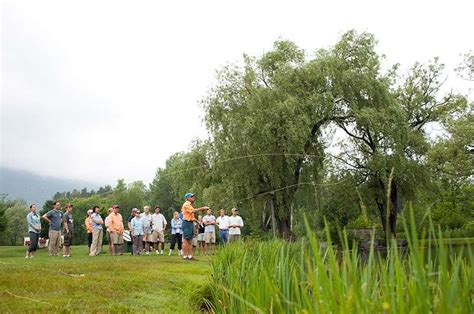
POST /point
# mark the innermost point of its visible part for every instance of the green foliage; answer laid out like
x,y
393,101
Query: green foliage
x,y
308,277
15,221
4,204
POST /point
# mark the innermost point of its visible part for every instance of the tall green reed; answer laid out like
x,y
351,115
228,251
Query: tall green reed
x,y
308,277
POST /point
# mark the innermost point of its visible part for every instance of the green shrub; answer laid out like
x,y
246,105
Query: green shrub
x,y
307,277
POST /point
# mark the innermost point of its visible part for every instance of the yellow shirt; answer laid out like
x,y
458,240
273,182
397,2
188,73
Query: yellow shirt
x,y
115,223
188,211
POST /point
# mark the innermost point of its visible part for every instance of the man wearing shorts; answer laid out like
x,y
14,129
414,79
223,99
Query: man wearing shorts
x,y
159,226
54,218
147,237
129,224
116,230
195,241
235,223
210,231
67,230
188,217
200,238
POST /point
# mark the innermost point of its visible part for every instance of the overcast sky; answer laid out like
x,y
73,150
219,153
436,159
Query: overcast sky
x,y
99,90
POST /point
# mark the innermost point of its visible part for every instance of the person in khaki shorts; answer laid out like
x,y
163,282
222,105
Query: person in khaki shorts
x,y
159,226
210,231
68,230
54,219
116,230
235,224
148,236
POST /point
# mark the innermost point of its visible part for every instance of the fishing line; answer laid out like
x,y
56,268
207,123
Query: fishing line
x,y
251,156
290,186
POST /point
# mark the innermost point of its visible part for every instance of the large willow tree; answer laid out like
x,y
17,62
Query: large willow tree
x,y
274,110
267,119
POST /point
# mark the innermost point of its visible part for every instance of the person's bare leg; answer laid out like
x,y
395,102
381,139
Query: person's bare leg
x,y
213,248
111,247
187,247
120,249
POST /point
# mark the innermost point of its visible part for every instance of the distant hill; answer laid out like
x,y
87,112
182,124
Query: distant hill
x,y
35,188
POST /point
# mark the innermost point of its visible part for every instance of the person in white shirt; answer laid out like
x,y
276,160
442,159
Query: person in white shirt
x,y
210,231
107,232
235,223
158,222
223,223
147,237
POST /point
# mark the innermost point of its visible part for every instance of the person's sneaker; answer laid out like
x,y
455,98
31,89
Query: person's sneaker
x,y
64,255
169,254
190,257
161,252
27,256
157,252
185,257
147,253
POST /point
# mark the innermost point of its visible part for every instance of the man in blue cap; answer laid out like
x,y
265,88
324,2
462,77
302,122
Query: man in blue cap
x,y
188,217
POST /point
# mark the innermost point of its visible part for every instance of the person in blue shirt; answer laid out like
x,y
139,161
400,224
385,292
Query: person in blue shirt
x,y
34,229
176,233
138,230
54,218
97,231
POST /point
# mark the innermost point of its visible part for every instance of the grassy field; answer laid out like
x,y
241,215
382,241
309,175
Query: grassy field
x,y
101,284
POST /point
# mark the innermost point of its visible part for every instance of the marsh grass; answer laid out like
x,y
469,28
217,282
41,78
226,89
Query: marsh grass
x,y
158,284
430,276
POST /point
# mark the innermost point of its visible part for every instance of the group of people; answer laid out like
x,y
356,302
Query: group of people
x,y
147,231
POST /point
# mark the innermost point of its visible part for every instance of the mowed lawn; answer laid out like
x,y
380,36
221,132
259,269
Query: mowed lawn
x,y
105,283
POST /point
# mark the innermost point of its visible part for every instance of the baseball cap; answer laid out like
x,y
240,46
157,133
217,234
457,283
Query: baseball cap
x,y
188,195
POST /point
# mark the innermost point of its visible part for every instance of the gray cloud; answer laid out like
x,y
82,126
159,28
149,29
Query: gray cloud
x,y
105,90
